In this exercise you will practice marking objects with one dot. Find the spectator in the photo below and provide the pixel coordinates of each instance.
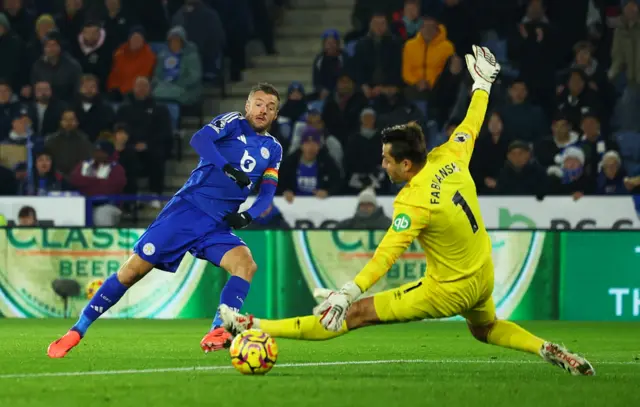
(178, 73)
(58, 68)
(341, 113)
(520, 175)
(328, 64)
(577, 98)
(11, 50)
(362, 13)
(45, 178)
(489, 155)
(94, 114)
(271, 218)
(8, 182)
(93, 53)
(406, 23)
(310, 171)
(520, 117)
(377, 61)
(532, 48)
(334, 147)
(446, 89)
(611, 177)
(462, 24)
(421, 68)
(398, 111)
(8, 109)
(133, 59)
(127, 157)
(21, 132)
(71, 20)
(204, 28)
(27, 217)
(362, 158)
(569, 178)
(296, 105)
(45, 110)
(594, 143)
(548, 150)
(68, 146)
(98, 177)
(21, 18)
(117, 24)
(369, 215)
(150, 132)
(44, 25)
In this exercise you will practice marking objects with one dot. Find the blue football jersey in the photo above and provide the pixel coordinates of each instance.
(209, 189)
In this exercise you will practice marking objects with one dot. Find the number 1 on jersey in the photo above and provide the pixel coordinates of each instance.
(459, 200)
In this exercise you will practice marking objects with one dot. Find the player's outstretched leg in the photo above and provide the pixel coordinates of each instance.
(362, 313)
(239, 263)
(108, 295)
(509, 335)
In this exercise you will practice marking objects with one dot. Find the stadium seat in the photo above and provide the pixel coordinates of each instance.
(316, 105)
(285, 127)
(174, 112)
(156, 47)
(629, 143)
(350, 47)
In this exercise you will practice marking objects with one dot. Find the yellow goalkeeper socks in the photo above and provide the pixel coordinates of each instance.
(509, 335)
(307, 328)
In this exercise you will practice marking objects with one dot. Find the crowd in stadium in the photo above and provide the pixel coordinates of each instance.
(95, 89)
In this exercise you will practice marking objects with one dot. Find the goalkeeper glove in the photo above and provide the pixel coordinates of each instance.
(238, 220)
(483, 68)
(332, 312)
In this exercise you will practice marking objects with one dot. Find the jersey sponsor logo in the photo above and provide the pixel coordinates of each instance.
(461, 137)
(401, 222)
(149, 249)
(265, 153)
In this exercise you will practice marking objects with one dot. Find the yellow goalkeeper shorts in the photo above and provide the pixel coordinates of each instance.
(470, 297)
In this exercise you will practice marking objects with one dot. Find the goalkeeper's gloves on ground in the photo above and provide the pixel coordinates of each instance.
(238, 220)
(332, 311)
(239, 177)
(483, 68)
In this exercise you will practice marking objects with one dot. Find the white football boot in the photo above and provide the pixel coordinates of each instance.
(562, 357)
(234, 322)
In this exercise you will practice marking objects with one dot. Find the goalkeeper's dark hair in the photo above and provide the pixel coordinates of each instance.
(407, 142)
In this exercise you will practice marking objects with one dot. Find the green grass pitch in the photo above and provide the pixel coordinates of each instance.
(159, 363)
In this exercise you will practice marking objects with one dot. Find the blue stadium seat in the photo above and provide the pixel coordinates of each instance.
(350, 47)
(156, 47)
(316, 105)
(174, 112)
(285, 127)
(629, 143)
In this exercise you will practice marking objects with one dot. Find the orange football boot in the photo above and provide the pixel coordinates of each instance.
(217, 339)
(62, 346)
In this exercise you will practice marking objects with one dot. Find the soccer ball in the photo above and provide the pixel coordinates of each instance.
(93, 287)
(253, 352)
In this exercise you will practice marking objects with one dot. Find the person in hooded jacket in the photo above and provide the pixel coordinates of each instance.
(369, 215)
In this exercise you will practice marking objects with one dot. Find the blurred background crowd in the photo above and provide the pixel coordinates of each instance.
(93, 93)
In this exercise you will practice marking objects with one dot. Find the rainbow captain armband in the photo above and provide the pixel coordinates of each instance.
(270, 176)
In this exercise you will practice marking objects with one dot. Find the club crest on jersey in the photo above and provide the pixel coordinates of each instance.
(461, 137)
(401, 222)
(264, 151)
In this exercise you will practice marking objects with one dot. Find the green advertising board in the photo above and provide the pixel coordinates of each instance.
(539, 275)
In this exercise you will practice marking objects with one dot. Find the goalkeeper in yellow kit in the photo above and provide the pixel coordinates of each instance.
(439, 207)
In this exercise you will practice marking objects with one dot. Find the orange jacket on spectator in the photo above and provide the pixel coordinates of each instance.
(128, 65)
(422, 61)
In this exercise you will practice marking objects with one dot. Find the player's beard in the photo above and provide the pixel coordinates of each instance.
(257, 128)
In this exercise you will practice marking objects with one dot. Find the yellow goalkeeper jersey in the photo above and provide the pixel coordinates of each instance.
(440, 208)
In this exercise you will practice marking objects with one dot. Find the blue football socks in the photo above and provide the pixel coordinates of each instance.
(232, 295)
(107, 295)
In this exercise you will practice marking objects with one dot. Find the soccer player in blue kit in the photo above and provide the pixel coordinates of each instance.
(236, 153)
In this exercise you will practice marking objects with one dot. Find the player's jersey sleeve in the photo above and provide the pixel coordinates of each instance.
(464, 136)
(222, 125)
(408, 222)
(270, 175)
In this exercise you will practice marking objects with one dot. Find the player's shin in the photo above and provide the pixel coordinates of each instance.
(233, 295)
(108, 295)
(306, 328)
(509, 335)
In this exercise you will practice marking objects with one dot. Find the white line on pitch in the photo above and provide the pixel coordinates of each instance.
(285, 365)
